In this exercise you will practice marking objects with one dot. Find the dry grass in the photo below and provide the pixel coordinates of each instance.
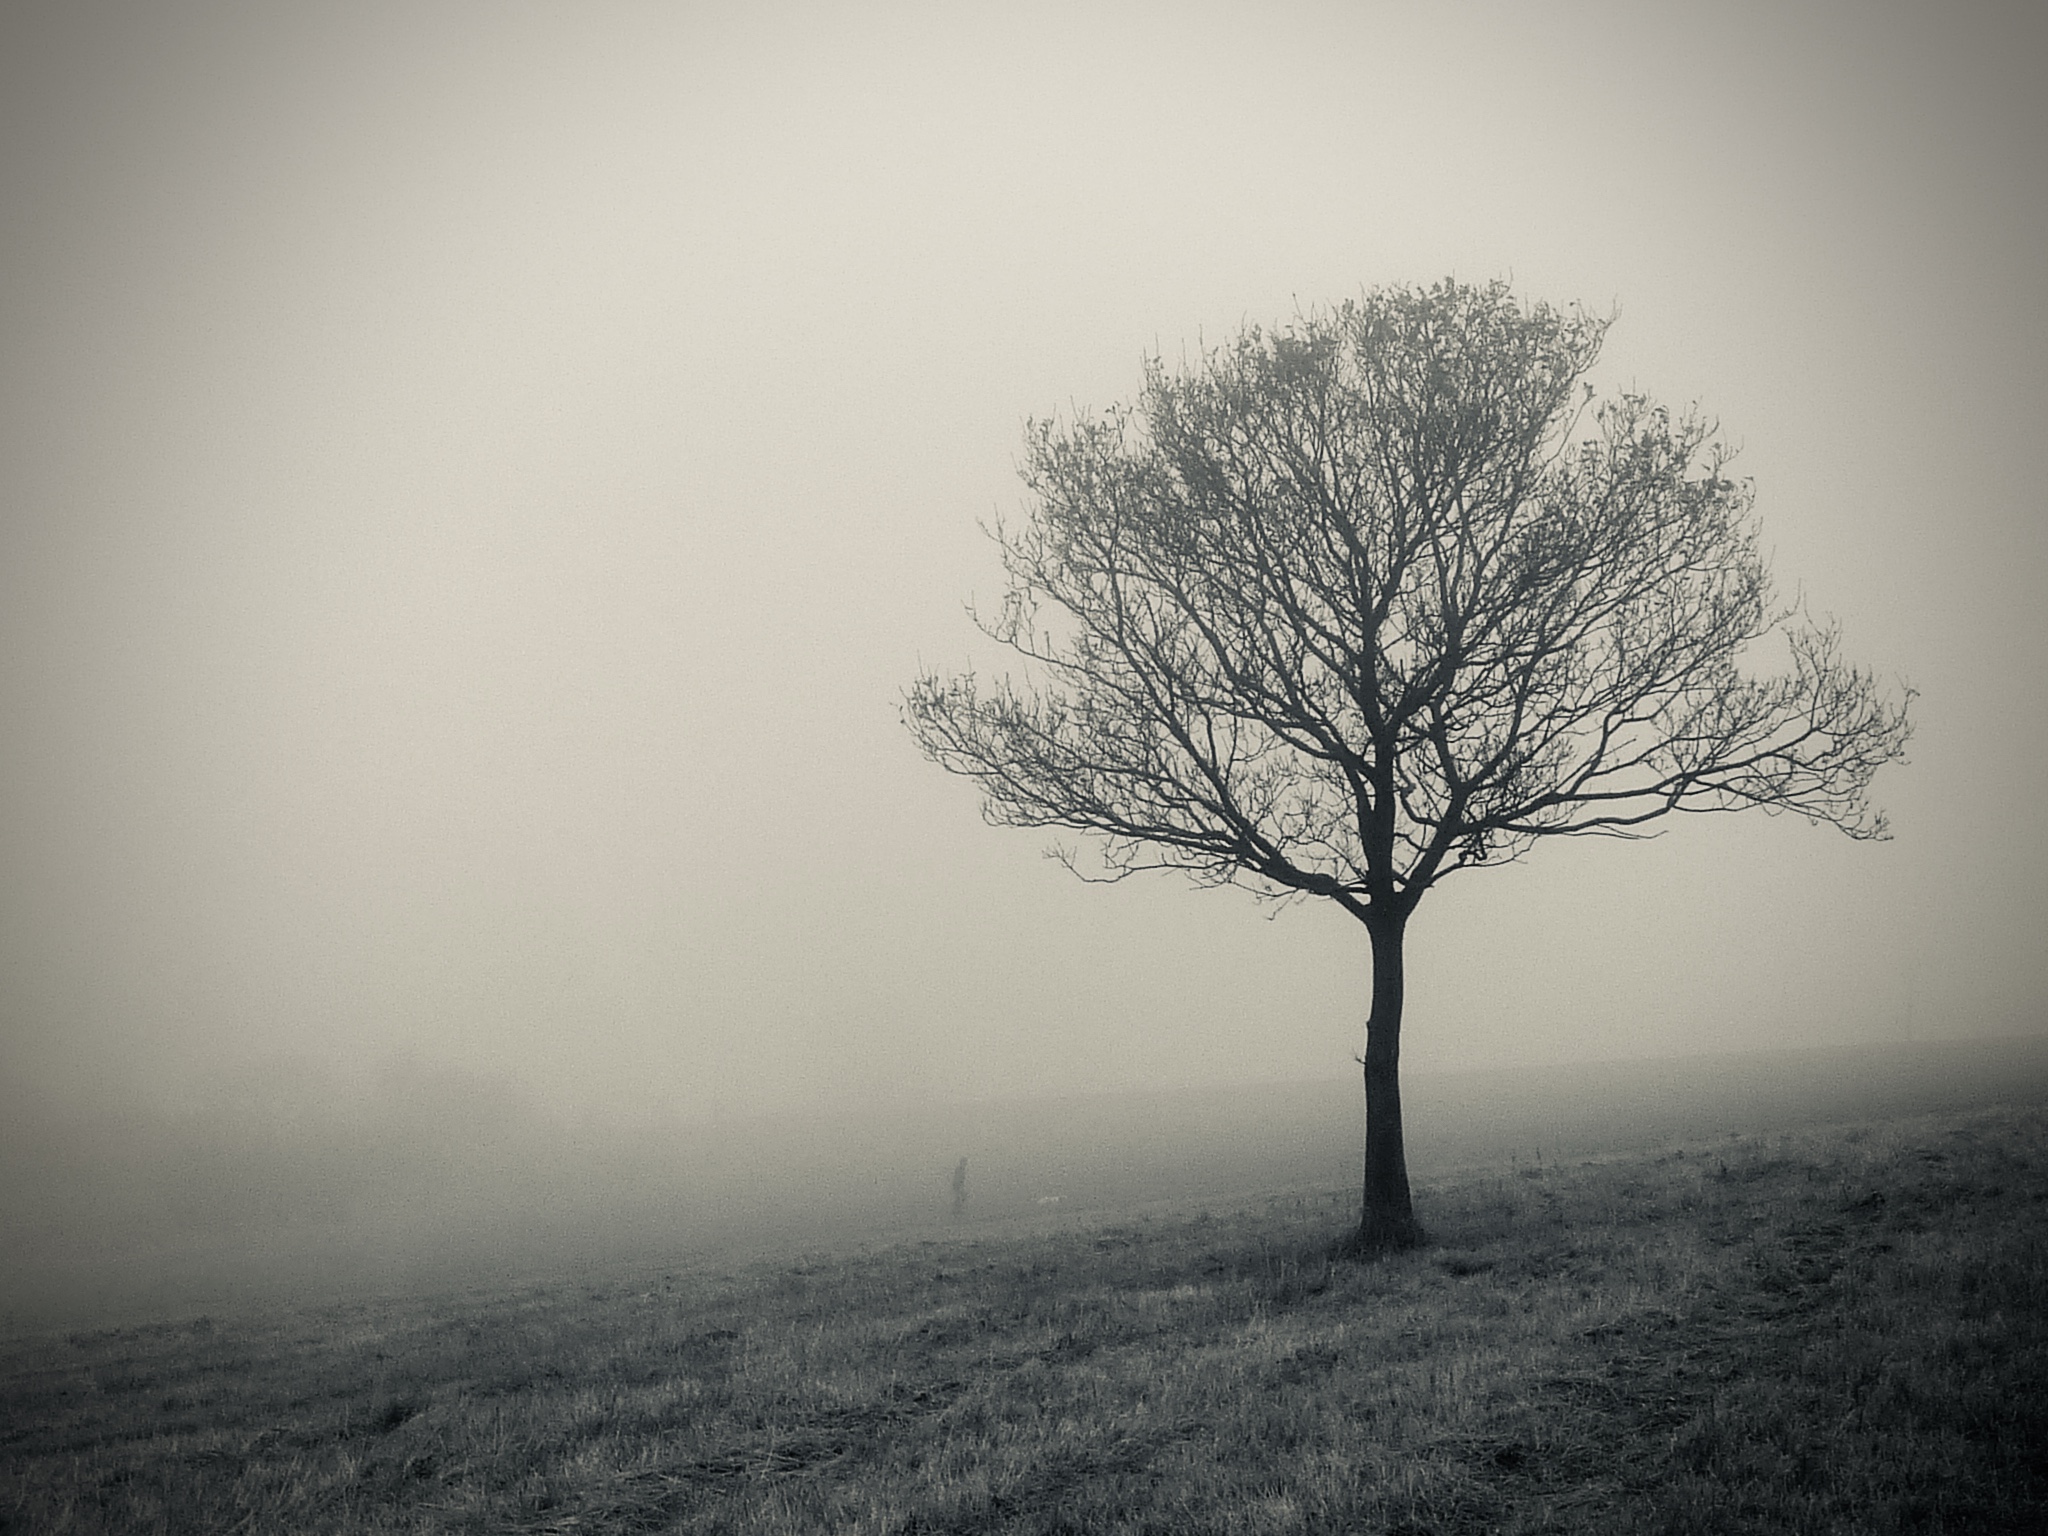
(1845, 1331)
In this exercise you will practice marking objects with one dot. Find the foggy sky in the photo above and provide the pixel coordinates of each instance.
(476, 478)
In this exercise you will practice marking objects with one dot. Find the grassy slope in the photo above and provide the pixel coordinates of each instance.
(1840, 1331)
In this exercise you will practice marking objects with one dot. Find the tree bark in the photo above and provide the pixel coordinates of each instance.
(1387, 1221)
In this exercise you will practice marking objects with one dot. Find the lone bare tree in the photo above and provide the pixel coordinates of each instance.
(1342, 608)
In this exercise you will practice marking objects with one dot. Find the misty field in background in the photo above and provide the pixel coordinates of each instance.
(404, 1183)
(1841, 1331)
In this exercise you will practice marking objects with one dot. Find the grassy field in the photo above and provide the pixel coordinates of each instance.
(1840, 1331)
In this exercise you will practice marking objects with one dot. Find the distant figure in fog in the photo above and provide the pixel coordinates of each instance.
(960, 1190)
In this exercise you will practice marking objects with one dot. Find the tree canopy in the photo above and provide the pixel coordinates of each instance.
(1361, 602)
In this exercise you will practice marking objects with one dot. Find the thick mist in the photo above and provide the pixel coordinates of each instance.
(415, 1181)
(474, 481)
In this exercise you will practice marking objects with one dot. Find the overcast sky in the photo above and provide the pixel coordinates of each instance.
(475, 478)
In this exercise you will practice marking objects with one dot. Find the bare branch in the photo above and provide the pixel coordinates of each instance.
(1349, 606)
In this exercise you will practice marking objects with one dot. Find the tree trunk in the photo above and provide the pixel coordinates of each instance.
(1388, 1219)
